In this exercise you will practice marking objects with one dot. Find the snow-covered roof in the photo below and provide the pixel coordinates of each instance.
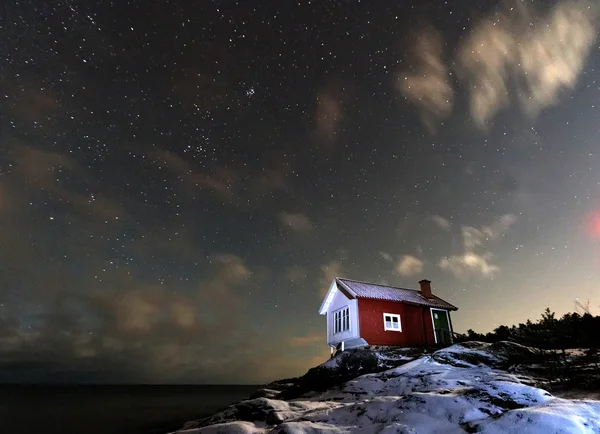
(390, 293)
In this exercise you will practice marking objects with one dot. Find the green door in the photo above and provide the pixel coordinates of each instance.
(441, 327)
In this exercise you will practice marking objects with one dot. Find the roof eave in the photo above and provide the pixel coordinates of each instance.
(449, 307)
(335, 286)
(340, 282)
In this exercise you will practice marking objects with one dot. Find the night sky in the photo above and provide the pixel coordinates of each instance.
(181, 180)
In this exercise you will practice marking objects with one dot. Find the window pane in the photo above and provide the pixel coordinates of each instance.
(395, 319)
(388, 324)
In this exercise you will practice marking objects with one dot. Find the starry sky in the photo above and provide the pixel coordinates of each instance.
(180, 181)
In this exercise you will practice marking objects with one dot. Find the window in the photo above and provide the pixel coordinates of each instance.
(391, 322)
(341, 320)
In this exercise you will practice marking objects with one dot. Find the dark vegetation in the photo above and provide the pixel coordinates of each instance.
(555, 338)
(573, 330)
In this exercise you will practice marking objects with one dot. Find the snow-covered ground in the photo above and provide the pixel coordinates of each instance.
(463, 388)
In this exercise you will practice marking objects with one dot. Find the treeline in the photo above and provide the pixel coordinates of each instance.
(572, 330)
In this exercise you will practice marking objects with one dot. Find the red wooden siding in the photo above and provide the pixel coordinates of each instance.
(426, 314)
(413, 319)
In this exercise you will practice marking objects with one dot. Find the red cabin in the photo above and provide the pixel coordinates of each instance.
(361, 313)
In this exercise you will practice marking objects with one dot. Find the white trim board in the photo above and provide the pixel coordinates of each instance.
(328, 298)
(431, 309)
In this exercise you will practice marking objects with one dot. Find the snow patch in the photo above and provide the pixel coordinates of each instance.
(455, 390)
(558, 415)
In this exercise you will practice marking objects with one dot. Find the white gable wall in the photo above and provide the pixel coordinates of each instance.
(339, 301)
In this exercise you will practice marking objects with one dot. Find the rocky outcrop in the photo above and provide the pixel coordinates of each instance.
(345, 366)
(470, 387)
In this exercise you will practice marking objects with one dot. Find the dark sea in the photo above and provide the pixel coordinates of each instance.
(110, 409)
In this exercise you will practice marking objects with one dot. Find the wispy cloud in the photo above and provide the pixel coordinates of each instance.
(300, 341)
(296, 222)
(329, 113)
(41, 167)
(41, 170)
(471, 262)
(473, 237)
(5, 202)
(32, 103)
(329, 272)
(409, 266)
(386, 256)
(543, 53)
(516, 53)
(225, 182)
(441, 222)
(221, 181)
(295, 273)
(160, 331)
(230, 271)
(427, 84)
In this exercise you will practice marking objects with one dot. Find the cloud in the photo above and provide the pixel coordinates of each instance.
(441, 222)
(158, 332)
(274, 178)
(427, 84)
(409, 266)
(203, 92)
(5, 202)
(185, 314)
(231, 270)
(296, 222)
(473, 237)
(114, 320)
(32, 103)
(386, 256)
(41, 168)
(461, 266)
(301, 341)
(469, 262)
(542, 53)
(177, 239)
(329, 113)
(138, 310)
(225, 182)
(146, 301)
(329, 272)
(295, 273)
(222, 181)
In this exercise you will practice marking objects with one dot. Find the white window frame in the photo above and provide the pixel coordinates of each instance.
(431, 309)
(341, 320)
(392, 316)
